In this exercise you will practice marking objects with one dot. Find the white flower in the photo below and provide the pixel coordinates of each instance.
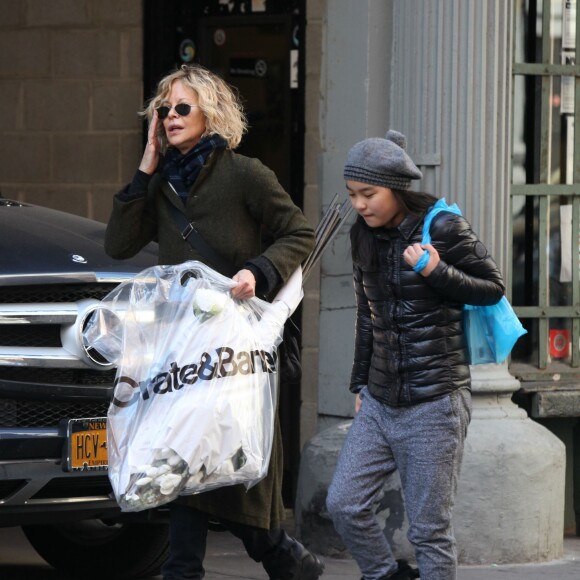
(143, 481)
(164, 453)
(168, 479)
(169, 482)
(210, 301)
(158, 482)
(166, 490)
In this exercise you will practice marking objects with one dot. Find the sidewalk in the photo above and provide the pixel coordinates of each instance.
(227, 560)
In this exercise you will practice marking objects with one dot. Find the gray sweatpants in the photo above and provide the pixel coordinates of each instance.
(425, 443)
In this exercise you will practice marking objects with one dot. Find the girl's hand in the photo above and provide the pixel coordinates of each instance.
(412, 254)
(357, 403)
(246, 287)
(150, 158)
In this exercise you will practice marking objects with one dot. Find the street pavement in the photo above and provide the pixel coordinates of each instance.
(227, 560)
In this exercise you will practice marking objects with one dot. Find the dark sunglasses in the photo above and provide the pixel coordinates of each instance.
(183, 109)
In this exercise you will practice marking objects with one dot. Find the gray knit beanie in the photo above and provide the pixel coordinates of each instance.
(382, 162)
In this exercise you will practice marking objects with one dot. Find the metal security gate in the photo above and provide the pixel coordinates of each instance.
(545, 197)
(546, 186)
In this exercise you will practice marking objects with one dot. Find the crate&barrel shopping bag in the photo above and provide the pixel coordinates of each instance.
(195, 391)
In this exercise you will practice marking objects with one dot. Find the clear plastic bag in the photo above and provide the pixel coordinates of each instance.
(196, 386)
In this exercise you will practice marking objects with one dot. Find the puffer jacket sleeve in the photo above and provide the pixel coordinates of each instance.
(466, 273)
(363, 336)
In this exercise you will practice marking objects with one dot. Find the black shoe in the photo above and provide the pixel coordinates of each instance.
(404, 572)
(308, 567)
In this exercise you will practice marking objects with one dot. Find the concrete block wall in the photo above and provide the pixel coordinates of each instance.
(70, 136)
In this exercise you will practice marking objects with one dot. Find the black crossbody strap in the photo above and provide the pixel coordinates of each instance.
(290, 365)
(192, 236)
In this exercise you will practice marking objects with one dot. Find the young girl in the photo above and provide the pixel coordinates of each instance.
(411, 372)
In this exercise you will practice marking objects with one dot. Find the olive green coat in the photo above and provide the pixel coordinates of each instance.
(233, 198)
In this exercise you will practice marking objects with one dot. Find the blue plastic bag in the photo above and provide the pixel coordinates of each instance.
(491, 331)
(440, 206)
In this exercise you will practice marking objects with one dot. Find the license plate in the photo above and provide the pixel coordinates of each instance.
(87, 444)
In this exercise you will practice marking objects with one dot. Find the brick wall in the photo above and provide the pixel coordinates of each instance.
(70, 89)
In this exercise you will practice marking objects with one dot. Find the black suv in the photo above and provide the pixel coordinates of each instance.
(53, 391)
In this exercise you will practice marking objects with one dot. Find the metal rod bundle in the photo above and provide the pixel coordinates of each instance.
(326, 230)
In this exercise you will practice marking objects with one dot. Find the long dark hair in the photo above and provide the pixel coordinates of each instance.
(362, 238)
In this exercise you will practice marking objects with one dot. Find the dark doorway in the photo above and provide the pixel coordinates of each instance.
(257, 47)
(253, 56)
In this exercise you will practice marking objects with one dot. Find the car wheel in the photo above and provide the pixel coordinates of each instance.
(101, 548)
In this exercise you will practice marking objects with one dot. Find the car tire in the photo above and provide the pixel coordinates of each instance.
(101, 548)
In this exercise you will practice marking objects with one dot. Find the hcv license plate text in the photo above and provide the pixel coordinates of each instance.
(87, 444)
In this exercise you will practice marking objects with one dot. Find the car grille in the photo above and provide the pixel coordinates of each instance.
(54, 293)
(77, 487)
(10, 486)
(40, 414)
(43, 335)
(26, 402)
(21, 335)
(57, 376)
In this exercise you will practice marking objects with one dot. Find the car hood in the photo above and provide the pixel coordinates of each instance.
(40, 245)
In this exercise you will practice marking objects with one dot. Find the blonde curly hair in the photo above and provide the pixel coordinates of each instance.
(219, 102)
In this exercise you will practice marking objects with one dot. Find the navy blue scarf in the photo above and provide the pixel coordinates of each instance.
(182, 170)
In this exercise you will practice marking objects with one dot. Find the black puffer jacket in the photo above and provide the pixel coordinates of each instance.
(410, 345)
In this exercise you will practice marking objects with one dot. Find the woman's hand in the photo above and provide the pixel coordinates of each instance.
(150, 158)
(412, 254)
(246, 287)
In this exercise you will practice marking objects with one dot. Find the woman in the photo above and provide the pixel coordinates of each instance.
(410, 372)
(189, 165)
